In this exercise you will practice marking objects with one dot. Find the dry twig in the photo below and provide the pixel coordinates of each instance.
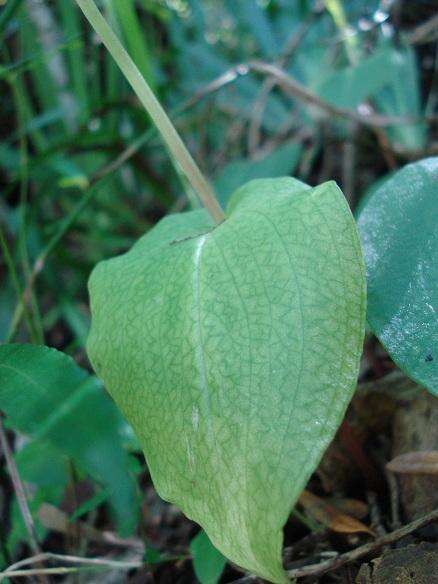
(15, 570)
(299, 91)
(341, 560)
(364, 550)
(20, 493)
(426, 32)
(291, 46)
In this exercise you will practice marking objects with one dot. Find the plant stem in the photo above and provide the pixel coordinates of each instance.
(154, 109)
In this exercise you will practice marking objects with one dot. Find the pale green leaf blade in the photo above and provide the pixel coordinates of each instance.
(398, 226)
(233, 351)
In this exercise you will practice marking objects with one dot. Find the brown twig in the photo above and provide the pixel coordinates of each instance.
(58, 521)
(395, 384)
(426, 32)
(40, 572)
(291, 45)
(299, 91)
(394, 499)
(386, 148)
(19, 491)
(349, 163)
(375, 514)
(364, 550)
(353, 555)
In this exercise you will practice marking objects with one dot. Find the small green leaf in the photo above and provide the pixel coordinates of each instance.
(398, 226)
(152, 556)
(280, 162)
(41, 464)
(233, 350)
(208, 562)
(46, 395)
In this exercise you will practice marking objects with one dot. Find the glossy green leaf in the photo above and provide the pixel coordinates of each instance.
(208, 562)
(47, 396)
(233, 351)
(398, 226)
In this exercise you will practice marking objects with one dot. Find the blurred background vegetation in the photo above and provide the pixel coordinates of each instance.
(352, 97)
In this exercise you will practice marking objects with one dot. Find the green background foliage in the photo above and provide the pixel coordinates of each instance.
(49, 398)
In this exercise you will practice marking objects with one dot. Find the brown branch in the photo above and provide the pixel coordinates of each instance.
(426, 32)
(353, 555)
(56, 520)
(19, 491)
(291, 46)
(364, 550)
(299, 91)
(349, 164)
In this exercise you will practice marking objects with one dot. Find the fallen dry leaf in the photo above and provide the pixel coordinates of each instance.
(425, 462)
(330, 516)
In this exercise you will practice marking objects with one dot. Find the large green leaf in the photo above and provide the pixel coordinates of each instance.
(398, 226)
(46, 395)
(233, 351)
